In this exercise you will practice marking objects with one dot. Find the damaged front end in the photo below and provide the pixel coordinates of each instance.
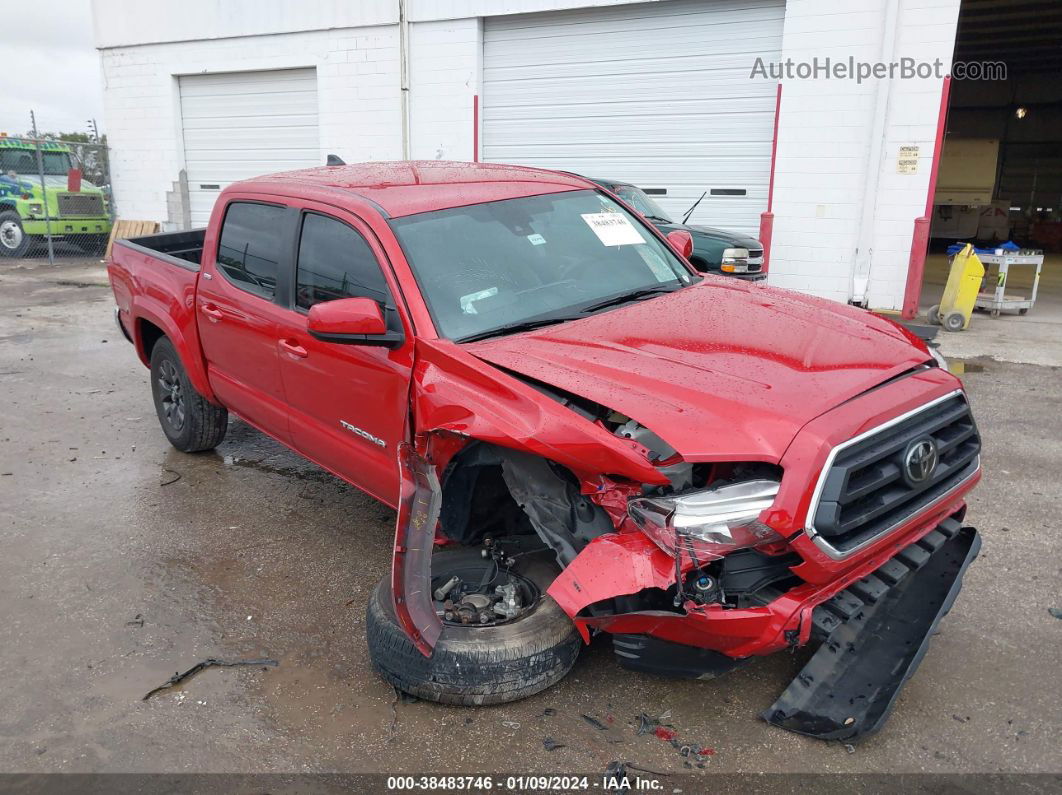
(694, 567)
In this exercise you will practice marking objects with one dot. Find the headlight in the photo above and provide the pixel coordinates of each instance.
(735, 260)
(36, 209)
(942, 363)
(708, 524)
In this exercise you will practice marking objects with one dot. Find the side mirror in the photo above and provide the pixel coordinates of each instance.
(682, 241)
(352, 321)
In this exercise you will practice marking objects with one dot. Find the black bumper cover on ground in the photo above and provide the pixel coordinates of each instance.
(875, 633)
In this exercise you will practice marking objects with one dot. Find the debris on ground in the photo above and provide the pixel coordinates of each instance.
(211, 662)
(615, 776)
(1055, 611)
(692, 754)
(548, 712)
(511, 724)
(552, 745)
(138, 621)
(174, 479)
(594, 722)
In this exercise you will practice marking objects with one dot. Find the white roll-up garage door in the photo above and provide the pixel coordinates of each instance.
(244, 124)
(657, 94)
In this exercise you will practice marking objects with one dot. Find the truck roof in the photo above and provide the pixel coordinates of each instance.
(30, 145)
(406, 187)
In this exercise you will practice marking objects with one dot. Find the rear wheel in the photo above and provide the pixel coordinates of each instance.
(481, 657)
(189, 420)
(14, 242)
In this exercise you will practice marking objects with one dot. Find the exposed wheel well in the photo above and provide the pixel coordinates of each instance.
(495, 491)
(149, 335)
(476, 501)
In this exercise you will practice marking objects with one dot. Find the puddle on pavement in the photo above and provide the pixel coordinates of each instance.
(254, 450)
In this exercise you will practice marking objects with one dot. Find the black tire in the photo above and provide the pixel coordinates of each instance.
(475, 665)
(933, 315)
(954, 321)
(190, 421)
(14, 242)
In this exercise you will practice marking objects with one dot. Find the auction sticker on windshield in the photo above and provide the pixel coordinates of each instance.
(613, 229)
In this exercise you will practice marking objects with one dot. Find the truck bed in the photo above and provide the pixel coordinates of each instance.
(154, 279)
(184, 249)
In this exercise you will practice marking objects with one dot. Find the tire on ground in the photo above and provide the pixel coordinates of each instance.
(204, 424)
(475, 665)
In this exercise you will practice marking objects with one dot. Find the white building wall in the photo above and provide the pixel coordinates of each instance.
(444, 80)
(357, 83)
(844, 217)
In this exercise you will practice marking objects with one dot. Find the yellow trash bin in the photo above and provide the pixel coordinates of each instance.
(960, 293)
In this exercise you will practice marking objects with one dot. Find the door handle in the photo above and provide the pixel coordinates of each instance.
(212, 312)
(293, 349)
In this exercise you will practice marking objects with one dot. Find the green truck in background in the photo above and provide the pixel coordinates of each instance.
(29, 210)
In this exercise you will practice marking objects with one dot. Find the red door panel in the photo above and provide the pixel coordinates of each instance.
(347, 404)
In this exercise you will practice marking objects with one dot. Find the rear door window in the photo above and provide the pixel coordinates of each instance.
(250, 245)
(335, 262)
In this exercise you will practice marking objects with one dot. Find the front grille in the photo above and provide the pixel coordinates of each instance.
(80, 205)
(755, 260)
(866, 492)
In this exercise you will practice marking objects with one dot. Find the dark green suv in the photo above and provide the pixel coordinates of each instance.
(714, 250)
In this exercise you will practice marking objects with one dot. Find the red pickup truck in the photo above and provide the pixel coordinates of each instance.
(579, 432)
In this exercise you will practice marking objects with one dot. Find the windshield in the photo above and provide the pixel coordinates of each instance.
(640, 201)
(24, 162)
(498, 264)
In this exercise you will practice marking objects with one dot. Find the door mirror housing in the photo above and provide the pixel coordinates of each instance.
(352, 321)
(681, 241)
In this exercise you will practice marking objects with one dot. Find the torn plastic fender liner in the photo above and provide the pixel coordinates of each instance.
(420, 500)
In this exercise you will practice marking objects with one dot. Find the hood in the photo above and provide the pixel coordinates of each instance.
(728, 238)
(722, 370)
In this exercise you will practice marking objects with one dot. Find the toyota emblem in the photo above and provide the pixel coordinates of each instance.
(920, 461)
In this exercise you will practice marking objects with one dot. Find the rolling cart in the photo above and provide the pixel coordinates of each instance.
(997, 300)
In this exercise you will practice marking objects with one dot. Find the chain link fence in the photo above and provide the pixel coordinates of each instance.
(55, 198)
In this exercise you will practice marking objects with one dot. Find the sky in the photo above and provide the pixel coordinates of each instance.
(50, 66)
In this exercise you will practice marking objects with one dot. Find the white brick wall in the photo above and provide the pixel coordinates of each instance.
(824, 177)
(359, 107)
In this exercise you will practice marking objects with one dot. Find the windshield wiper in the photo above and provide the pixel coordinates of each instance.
(632, 296)
(660, 218)
(689, 212)
(526, 325)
